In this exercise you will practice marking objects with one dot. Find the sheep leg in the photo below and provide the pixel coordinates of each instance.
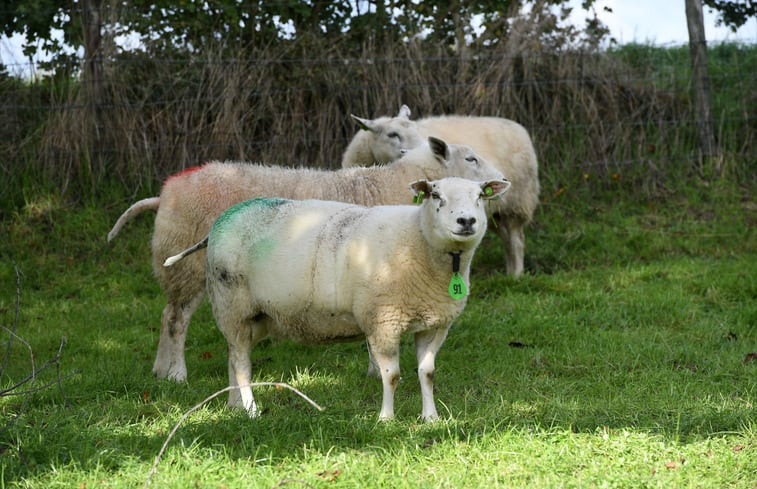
(389, 367)
(163, 357)
(169, 361)
(373, 370)
(510, 231)
(240, 368)
(427, 344)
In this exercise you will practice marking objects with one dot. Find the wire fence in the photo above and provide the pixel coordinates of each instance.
(598, 112)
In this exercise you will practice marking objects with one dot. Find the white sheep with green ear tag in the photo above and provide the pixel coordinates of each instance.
(318, 271)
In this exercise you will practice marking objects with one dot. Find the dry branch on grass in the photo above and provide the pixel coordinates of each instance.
(26, 386)
(194, 408)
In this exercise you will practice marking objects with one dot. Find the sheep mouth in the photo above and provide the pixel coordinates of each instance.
(464, 232)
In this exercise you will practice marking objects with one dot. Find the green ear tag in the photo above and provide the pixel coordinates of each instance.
(488, 191)
(418, 198)
(457, 288)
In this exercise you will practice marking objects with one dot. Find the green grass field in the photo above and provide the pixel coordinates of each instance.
(622, 359)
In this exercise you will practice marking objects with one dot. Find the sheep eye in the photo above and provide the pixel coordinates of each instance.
(393, 135)
(472, 159)
(435, 195)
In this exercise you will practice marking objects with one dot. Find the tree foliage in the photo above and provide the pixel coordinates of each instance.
(171, 26)
(733, 13)
(175, 26)
(39, 20)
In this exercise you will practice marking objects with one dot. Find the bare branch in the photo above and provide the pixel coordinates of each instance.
(15, 321)
(29, 380)
(154, 468)
(57, 381)
(35, 372)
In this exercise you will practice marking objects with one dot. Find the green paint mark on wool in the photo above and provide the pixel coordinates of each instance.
(261, 205)
(263, 248)
(250, 222)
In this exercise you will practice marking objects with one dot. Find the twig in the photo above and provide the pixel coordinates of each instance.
(15, 321)
(57, 381)
(158, 457)
(28, 347)
(31, 377)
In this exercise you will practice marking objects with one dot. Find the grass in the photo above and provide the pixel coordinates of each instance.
(619, 360)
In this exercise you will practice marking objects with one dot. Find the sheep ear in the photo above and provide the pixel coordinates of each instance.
(421, 190)
(366, 124)
(404, 112)
(439, 148)
(494, 188)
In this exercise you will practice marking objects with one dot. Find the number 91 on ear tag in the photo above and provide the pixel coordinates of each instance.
(457, 288)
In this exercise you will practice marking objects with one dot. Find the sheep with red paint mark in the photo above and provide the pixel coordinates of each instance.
(317, 272)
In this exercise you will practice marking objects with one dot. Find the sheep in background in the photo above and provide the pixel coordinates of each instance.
(317, 272)
(502, 142)
(191, 200)
(385, 140)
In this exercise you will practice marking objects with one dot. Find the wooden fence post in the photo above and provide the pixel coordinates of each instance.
(92, 71)
(701, 83)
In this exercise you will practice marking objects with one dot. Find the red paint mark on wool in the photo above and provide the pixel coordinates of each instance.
(184, 173)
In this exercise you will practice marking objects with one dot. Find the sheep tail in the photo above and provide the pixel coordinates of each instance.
(173, 259)
(136, 208)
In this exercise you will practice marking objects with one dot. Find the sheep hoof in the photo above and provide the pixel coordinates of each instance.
(430, 417)
(178, 375)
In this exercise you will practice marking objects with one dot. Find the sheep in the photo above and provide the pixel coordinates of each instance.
(318, 272)
(190, 201)
(384, 140)
(504, 143)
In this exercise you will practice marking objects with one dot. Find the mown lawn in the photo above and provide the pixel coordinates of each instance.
(624, 358)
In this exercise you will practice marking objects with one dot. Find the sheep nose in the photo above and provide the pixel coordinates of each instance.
(466, 223)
